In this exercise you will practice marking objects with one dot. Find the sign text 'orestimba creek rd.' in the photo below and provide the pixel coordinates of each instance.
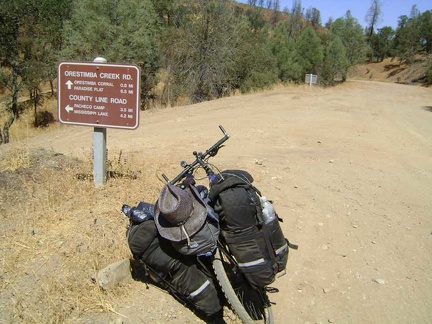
(99, 94)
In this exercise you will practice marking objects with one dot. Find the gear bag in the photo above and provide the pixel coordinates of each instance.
(176, 273)
(260, 249)
(203, 243)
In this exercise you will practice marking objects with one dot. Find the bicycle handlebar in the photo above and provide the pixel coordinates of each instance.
(199, 161)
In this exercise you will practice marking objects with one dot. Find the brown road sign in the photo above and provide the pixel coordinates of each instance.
(99, 94)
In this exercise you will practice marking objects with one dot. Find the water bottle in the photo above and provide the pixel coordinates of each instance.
(268, 211)
(138, 214)
(274, 232)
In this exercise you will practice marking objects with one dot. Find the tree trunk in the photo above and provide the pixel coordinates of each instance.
(166, 95)
(6, 127)
(15, 109)
(36, 121)
(35, 99)
(52, 87)
(344, 76)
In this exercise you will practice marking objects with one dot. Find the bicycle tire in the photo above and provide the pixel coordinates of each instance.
(255, 309)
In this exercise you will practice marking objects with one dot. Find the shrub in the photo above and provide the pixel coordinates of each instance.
(44, 118)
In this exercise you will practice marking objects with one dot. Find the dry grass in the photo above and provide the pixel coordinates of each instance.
(57, 231)
(22, 128)
(18, 159)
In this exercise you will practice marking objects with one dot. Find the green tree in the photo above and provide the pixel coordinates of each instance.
(314, 16)
(171, 12)
(310, 51)
(41, 39)
(425, 22)
(14, 18)
(295, 20)
(118, 30)
(255, 17)
(284, 50)
(274, 5)
(407, 38)
(329, 23)
(255, 66)
(335, 62)
(205, 50)
(175, 16)
(48, 39)
(382, 43)
(351, 34)
(373, 16)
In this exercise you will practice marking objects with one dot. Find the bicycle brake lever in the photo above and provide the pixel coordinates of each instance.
(215, 151)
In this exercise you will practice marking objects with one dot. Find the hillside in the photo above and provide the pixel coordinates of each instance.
(390, 70)
(348, 168)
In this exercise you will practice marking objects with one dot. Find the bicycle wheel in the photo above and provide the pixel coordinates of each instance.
(250, 305)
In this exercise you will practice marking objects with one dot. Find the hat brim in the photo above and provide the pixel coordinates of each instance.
(193, 224)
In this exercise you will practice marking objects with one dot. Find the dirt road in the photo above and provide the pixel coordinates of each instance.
(350, 171)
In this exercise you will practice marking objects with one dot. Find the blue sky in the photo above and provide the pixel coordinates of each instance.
(391, 9)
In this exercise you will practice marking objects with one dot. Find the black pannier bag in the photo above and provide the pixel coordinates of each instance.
(250, 251)
(166, 266)
(260, 249)
(202, 243)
